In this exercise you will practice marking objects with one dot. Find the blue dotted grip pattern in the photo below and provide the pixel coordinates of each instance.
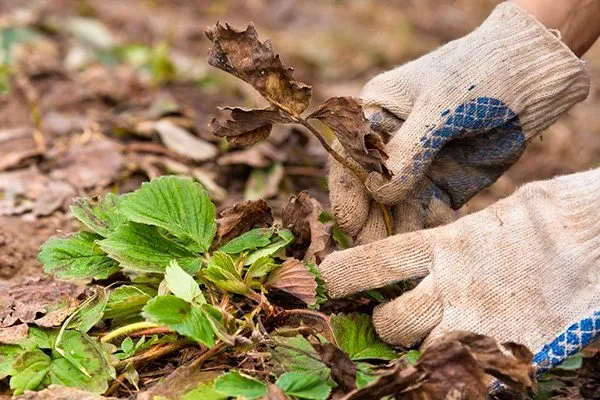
(576, 337)
(475, 144)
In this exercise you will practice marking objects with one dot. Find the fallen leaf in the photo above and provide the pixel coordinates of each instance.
(261, 155)
(183, 142)
(56, 392)
(455, 366)
(25, 302)
(294, 278)
(274, 393)
(343, 370)
(13, 334)
(87, 165)
(241, 54)
(242, 217)
(264, 183)
(344, 115)
(247, 126)
(301, 216)
(179, 382)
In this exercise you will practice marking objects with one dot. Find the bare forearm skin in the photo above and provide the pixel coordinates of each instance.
(577, 20)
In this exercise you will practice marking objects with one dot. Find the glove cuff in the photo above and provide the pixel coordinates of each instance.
(546, 77)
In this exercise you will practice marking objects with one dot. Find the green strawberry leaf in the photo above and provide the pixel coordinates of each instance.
(35, 369)
(304, 385)
(283, 239)
(356, 336)
(260, 268)
(142, 248)
(235, 384)
(222, 272)
(76, 256)
(411, 357)
(127, 301)
(296, 354)
(29, 370)
(178, 205)
(103, 217)
(204, 391)
(90, 312)
(8, 355)
(182, 317)
(182, 285)
(321, 288)
(250, 240)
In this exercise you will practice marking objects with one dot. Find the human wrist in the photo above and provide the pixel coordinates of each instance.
(574, 19)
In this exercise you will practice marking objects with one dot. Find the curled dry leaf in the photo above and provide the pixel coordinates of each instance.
(242, 217)
(179, 382)
(344, 115)
(294, 278)
(455, 366)
(301, 216)
(247, 126)
(241, 54)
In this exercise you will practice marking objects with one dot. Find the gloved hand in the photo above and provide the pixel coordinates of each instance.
(526, 269)
(468, 110)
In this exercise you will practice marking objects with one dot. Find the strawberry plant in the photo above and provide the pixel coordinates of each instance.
(164, 281)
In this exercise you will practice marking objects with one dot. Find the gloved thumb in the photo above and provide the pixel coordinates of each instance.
(377, 264)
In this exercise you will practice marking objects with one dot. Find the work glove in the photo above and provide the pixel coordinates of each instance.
(526, 269)
(458, 118)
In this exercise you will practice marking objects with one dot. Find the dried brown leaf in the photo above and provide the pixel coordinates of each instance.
(56, 392)
(455, 366)
(97, 162)
(13, 334)
(241, 54)
(301, 216)
(242, 217)
(274, 393)
(29, 301)
(183, 142)
(293, 277)
(179, 382)
(260, 156)
(343, 370)
(247, 126)
(344, 115)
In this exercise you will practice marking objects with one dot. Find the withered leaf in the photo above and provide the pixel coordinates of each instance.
(274, 393)
(242, 217)
(454, 366)
(247, 126)
(31, 300)
(294, 278)
(343, 370)
(13, 334)
(344, 115)
(301, 216)
(241, 54)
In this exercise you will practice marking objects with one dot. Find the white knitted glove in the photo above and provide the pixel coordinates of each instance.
(468, 110)
(526, 269)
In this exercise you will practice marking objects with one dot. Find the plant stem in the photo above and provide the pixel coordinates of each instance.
(126, 329)
(155, 352)
(360, 174)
